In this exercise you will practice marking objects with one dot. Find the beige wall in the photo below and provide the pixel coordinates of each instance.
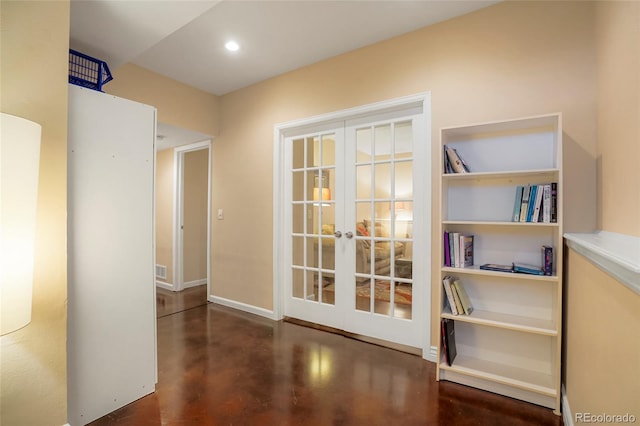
(164, 211)
(602, 359)
(602, 316)
(618, 51)
(196, 175)
(497, 63)
(178, 104)
(35, 43)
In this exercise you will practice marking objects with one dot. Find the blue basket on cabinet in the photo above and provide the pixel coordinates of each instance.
(88, 72)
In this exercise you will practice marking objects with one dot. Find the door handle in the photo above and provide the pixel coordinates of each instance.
(338, 234)
(349, 235)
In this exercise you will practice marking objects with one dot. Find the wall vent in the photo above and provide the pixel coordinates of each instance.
(161, 272)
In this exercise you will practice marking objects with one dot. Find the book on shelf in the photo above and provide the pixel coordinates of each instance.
(532, 202)
(496, 267)
(465, 301)
(538, 204)
(456, 249)
(451, 250)
(446, 283)
(454, 160)
(554, 202)
(456, 298)
(547, 260)
(447, 253)
(464, 163)
(546, 204)
(446, 166)
(517, 203)
(448, 331)
(525, 268)
(466, 250)
(524, 206)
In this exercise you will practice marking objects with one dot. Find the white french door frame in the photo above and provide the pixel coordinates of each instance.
(422, 198)
(178, 213)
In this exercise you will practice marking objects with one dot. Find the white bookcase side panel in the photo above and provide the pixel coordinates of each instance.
(526, 150)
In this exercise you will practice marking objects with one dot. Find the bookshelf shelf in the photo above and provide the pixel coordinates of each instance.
(499, 223)
(512, 175)
(475, 270)
(511, 342)
(506, 321)
(521, 378)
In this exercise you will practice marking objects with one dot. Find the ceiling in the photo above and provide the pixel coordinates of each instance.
(184, 40)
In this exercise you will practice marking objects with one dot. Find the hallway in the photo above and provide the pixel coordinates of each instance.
(219, 366)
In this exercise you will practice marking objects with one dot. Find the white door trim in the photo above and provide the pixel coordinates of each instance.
(282, 130)
(178, 210)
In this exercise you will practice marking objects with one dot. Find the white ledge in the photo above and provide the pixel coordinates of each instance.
(616, 254)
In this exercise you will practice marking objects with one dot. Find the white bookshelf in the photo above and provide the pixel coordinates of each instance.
(511, 343)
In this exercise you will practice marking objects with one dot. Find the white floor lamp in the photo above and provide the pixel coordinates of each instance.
(19, 167)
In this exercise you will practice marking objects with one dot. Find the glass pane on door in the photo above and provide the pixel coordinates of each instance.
(313, 218)
(384, 216)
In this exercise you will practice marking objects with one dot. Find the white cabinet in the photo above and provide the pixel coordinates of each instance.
(111, 346)
(511, 342)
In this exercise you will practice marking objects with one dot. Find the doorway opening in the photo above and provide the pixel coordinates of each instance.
(183, 218)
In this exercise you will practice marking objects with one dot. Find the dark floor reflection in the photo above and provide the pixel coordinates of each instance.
(169, 302)
(221, 366)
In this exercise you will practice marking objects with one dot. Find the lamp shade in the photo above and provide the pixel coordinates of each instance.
(326, 194)
(19, 166)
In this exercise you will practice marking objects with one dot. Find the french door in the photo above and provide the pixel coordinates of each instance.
(356, 227)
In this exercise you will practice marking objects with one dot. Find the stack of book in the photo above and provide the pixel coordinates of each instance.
(457, 297)
(536, 203)
(524, 268)
(458, 249)
(453, 162)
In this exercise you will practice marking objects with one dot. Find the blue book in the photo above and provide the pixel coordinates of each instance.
(517, 203)
(524, 268)
(532, 202)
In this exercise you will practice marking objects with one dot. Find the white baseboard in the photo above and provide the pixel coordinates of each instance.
(243, 307)
(431, 355)
(165, 286)
(567, 417)
(194, 283)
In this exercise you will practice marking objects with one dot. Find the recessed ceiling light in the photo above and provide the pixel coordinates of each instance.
(232, 46)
